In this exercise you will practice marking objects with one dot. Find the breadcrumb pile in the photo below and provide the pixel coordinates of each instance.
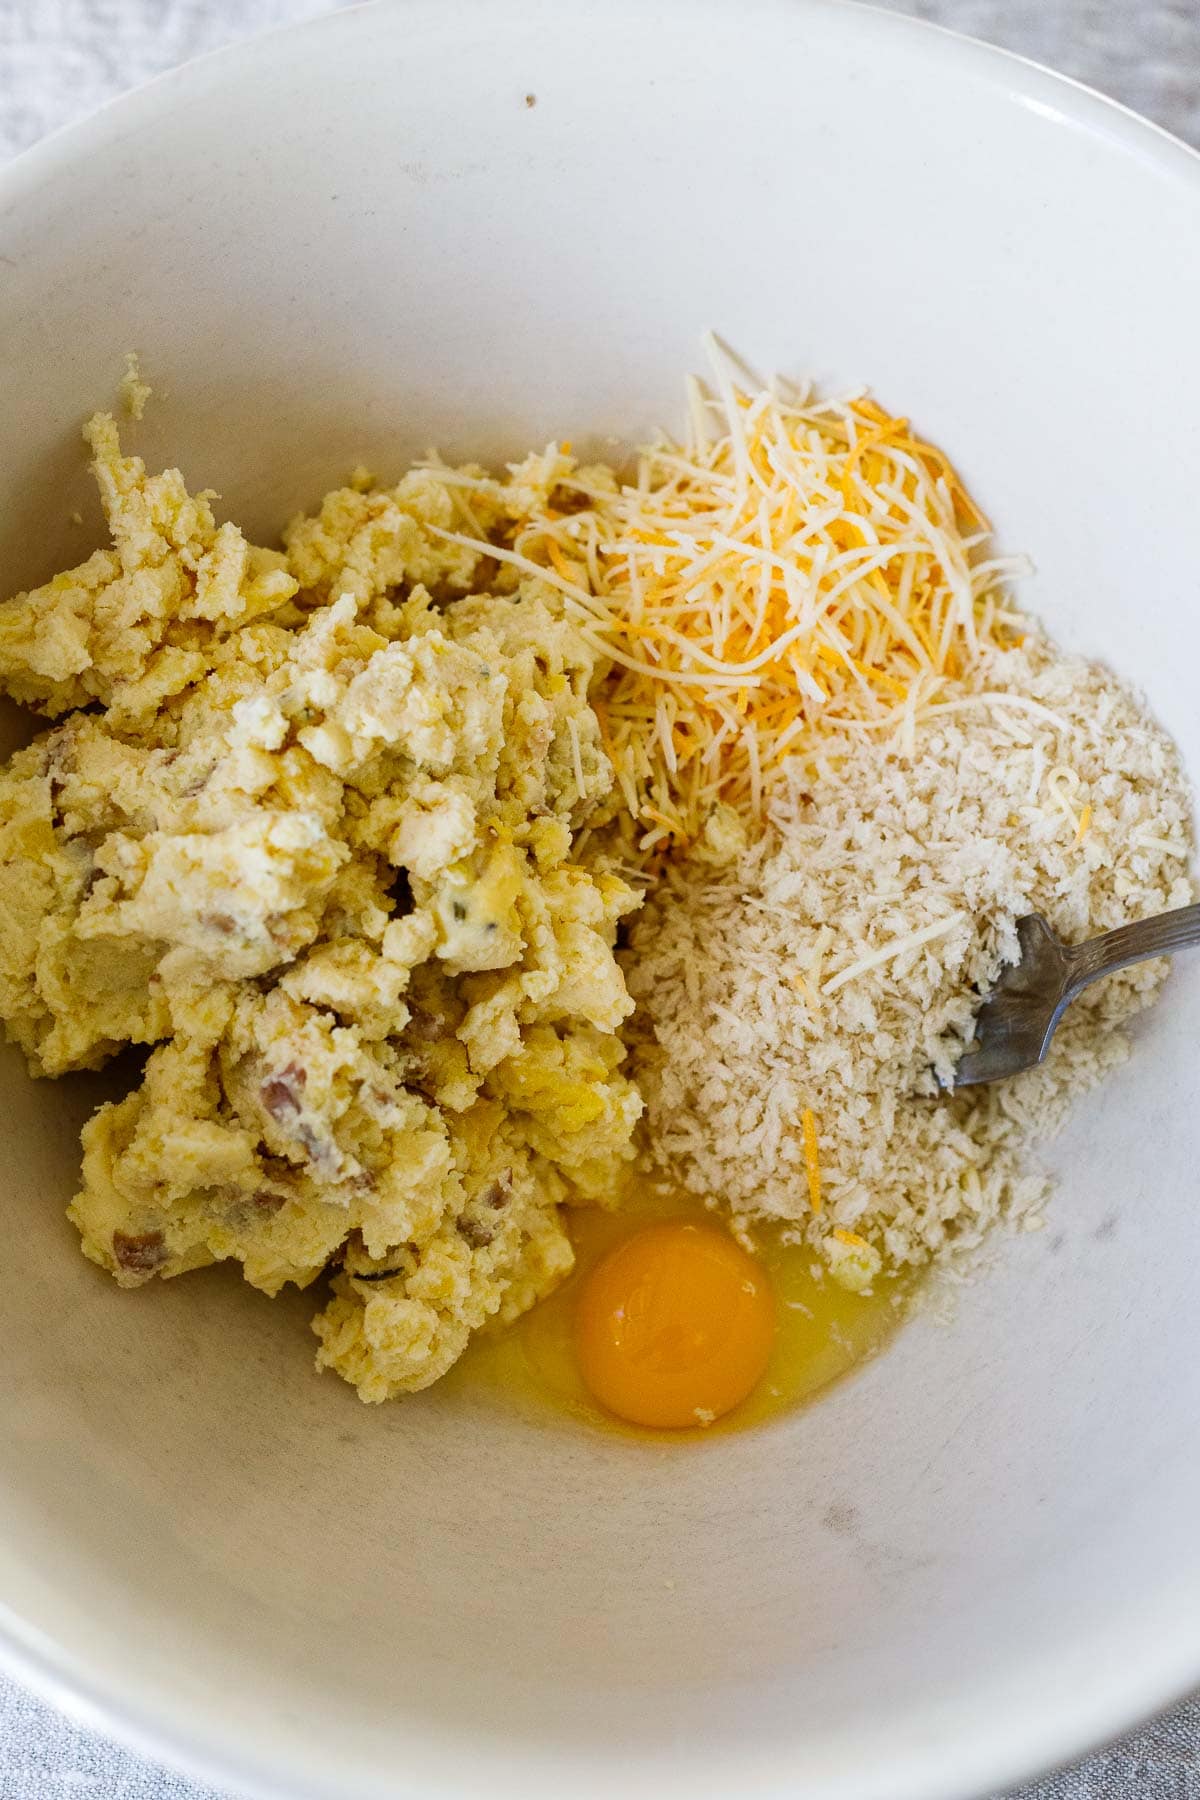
(807, 991)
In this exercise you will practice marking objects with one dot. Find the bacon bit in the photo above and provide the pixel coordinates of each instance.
(850, 1237)
(141, 1253)
(497, 1195)
(281, 1092)
(267, 1201)
(1084, 825)
(812, 1162)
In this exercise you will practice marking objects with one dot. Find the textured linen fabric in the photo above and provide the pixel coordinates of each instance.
(61, 58)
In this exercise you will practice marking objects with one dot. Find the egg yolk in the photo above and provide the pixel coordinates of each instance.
(675, 1326)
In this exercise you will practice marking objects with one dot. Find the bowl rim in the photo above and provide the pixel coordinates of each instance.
(982, 1758)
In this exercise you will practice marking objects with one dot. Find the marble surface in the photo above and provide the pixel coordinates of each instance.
(61, 58)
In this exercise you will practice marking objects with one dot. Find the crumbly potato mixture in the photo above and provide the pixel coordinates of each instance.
(305, 827)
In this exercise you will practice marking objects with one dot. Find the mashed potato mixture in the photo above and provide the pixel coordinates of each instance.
(314, 846)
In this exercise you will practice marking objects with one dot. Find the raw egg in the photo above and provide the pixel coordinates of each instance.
(821, 1332)
(675, 1326)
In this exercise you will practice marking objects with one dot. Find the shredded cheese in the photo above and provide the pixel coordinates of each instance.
(912, 940)
(812, 1161)
(795, 564)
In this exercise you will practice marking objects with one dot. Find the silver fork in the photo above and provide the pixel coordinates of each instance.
(1014, 1025)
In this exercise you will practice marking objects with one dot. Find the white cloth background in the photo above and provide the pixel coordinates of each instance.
(61, 58)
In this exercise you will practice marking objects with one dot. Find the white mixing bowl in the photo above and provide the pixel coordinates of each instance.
(481, 223)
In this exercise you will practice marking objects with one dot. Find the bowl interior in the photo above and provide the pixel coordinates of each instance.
(481, 226)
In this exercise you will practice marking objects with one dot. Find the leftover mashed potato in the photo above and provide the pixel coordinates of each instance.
(312, 844)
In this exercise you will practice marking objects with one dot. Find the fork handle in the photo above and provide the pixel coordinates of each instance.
(1158, 936)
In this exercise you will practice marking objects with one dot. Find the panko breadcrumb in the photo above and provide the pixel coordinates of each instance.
(829, 972)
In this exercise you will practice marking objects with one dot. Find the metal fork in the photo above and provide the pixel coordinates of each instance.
(1014, 1025)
